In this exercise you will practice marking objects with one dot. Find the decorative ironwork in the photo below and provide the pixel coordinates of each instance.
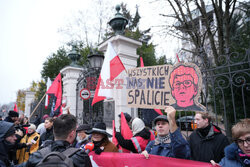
(226, 86)
(86, 113)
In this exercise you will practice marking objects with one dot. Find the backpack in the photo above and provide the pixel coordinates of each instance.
(57, 159)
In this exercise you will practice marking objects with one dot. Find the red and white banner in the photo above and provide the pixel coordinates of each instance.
(111, 68)
(106, 159)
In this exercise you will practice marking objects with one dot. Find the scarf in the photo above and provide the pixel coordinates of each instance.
(204, 132)
(244, 157)
(162, 139)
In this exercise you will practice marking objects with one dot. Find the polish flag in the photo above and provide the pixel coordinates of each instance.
(142, 65)
(111, 68)
(48, 84)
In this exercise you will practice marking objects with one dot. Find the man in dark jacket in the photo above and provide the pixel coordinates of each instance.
(207, 142)
(12, 116)
(64, 133)
(7, 141)
(169, 141)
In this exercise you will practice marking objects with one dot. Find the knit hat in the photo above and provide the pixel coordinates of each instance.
(13, 113)
(137, 125)
(32, 126)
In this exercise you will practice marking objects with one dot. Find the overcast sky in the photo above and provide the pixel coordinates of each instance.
(29, 34)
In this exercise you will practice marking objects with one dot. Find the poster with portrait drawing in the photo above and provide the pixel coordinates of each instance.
(160, 86)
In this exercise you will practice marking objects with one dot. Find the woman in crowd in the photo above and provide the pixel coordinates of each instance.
(238, 153)
(100, 139)
(140, 139)
(48, 135)
(32, 141)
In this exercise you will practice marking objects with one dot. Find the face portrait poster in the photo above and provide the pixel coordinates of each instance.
(166, 85)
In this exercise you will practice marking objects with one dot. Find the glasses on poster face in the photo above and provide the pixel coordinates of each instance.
(242, 142)
(186, 83)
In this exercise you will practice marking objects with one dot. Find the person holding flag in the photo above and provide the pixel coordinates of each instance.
(140, 139)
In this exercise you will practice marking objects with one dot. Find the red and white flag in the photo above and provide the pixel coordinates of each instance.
(111, 68)
(48, 84)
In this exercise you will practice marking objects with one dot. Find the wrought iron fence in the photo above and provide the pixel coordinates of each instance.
(226, 87)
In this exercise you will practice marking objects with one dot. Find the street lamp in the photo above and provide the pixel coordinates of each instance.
(95, 60)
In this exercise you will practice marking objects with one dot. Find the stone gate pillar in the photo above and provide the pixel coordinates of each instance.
(70, 75)
(29, 98)
(126, 49)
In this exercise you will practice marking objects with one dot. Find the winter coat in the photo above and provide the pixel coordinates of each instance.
(232, 158)
(5, 146)
(23, 154)
(176, 147)
(80, 158)
(108, 146)
(143, 137)
(48, 135)
(82, 143)
(210, 147)
(8, 119)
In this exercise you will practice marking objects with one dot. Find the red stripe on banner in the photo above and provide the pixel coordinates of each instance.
(116, 67)
(138, 160)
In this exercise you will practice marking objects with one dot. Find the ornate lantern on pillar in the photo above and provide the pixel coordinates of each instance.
(118, 23)
(74, 56)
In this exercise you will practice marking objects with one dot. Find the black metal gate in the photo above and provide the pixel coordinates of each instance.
(86, 113)
(226, 87)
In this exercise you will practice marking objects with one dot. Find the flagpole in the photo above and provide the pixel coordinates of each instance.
(37, 106)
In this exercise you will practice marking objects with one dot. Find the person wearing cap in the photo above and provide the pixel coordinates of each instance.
(12, 116)
(100, 139)
(32, 141)
(7, 141)
(169, 141)
(82, 135)
(140, 139)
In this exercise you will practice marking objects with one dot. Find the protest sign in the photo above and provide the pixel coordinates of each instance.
(161, 86)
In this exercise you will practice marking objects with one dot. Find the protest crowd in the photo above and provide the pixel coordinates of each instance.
(24, 144)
